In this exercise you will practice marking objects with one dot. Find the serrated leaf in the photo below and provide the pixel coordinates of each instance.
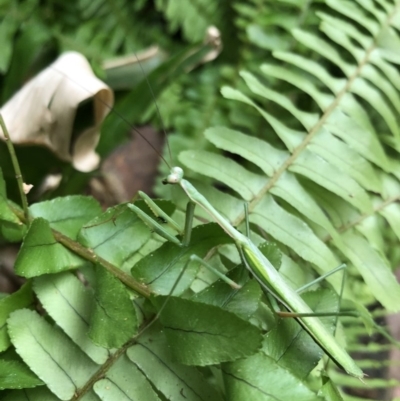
(260, 378)
(272, 252)
(67, 214)
(22, 298)
(115, 235)
(200, 334)
(291, 346)
(114, 319)
(49, 353)
(12, 232)
(175, 381)
(160, 269)
(125, 382)
(232, 174)
(70, 305)
(374, 270)
(15, 375)
(41, 254)
(243, 302)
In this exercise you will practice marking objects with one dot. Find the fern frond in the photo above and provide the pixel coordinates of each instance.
(331, 143)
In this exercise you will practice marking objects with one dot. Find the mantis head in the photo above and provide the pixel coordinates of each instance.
(174, 177)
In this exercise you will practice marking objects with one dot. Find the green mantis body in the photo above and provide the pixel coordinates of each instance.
(268, 276)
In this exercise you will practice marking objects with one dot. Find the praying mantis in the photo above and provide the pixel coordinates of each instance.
(262, 270)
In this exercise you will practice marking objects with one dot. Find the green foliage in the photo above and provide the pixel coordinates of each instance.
(311, 147)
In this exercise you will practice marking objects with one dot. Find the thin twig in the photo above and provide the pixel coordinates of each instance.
(17, 169)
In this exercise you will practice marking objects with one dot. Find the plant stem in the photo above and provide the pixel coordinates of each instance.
(17, 169)
(89, 255)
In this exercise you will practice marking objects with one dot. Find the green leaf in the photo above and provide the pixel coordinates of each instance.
(11, 227)
(160, 269)
(272, 252)
(114, 319)
(365, 142)
(23, 298)
(343, 157)
(243, 302)
(125, 382)
(8, 29)
(260, 378)
(49, 353)
(366, 91)
(377, 78)
(201, 334)
(115, 235)
(41, 254)
(308, 120)
(67, 214)
(190, 18)
(356, 14)
(228, 205)
(291, 346)
(71, 305)
(374, 270)
(256, 150)
(232, 174)
(371, 229)
(300, 81)
(14, 375)
(294, 273)
(290, 190)
(313, 67)
(176, 382)
(35, 394)
(323, 173)
(290, 137)
(324, 48)
(330, 391)
(392, 214)
(294, 233)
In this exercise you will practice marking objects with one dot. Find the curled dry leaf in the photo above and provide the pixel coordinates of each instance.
(43, 111)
